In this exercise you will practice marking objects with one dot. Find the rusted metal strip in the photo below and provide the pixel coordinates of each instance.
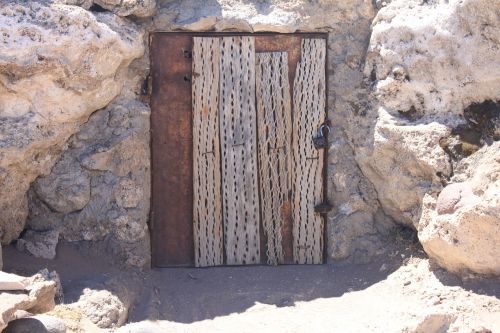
(171, 148)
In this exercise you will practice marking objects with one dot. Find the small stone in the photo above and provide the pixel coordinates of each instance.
(407, 283)
(383, 268)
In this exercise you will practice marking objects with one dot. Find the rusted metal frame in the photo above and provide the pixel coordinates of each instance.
(171, 215)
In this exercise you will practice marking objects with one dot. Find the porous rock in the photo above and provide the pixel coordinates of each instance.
(58, 64)
(102, 307)
(40, 244)
(38, 298)
(139, 8)
(461, 228)
(112, 151)
(424, 71)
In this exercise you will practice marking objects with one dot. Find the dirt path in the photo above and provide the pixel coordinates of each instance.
(396, 293)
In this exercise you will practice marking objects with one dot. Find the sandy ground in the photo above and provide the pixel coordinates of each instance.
(400, 292)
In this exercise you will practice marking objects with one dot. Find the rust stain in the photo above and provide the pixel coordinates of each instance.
(171, 148)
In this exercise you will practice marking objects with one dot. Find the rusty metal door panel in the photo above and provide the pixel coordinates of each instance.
(171, 148)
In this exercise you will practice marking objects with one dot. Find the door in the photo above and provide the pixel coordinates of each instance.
(236, 176)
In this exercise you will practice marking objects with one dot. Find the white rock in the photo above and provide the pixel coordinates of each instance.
(461, 229)
(63, 63)
(102, 307)
(39, 299)
(10, 281)
(422, 62)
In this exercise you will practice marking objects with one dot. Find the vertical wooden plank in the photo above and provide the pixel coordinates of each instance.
(238, 150)
(207, 201)
(171, 148)
(309, 111)
(274, 136)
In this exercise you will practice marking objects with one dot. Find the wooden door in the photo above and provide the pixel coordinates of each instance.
(236, 176)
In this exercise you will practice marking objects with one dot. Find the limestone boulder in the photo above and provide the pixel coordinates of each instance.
(64, 193)
(37, 297)
(139, 8)
(58, 64)
(428, 87)
(102, 307)
(461, 228)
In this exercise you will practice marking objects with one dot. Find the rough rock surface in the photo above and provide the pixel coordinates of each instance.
(111, 151)
(39, 244)
(461, 229)
(102, 307)
(39, 298)
(58, 64)
(423, 66)
(139, 8)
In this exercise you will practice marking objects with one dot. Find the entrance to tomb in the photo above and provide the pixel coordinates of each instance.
(238, 124)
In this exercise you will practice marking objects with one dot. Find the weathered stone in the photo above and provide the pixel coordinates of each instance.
(102, 307)
(139, 8)
(117, 164)
(40, 244)
(128, 194)
(39, 299)
(38, 324)
(454, 197)
(86, 4)
(77, 68)
(461, 229)
(11, 282)
(412, 135)
(203, 24)
(64, 192)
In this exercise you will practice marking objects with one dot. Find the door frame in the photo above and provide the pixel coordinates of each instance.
(187, 259)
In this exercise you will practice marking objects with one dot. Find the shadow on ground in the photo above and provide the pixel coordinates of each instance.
(187, 295)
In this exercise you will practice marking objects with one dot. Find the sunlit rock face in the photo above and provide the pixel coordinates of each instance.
(58, 64)
(434, 69)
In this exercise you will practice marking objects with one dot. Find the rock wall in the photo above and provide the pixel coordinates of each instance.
(413, 109)
(434, 68)
(58, 64)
